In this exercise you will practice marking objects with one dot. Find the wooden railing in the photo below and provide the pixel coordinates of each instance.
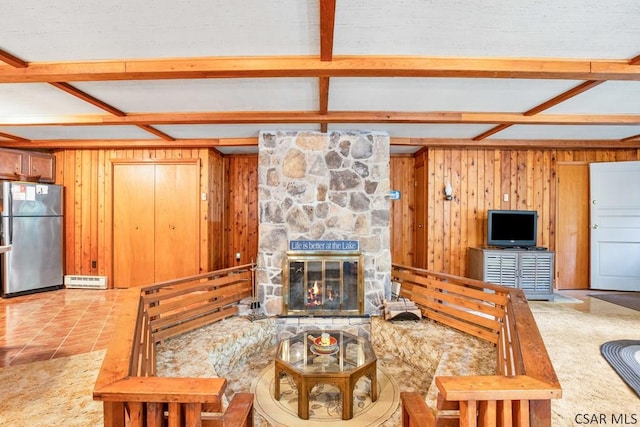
(525, 382)
(132, 394)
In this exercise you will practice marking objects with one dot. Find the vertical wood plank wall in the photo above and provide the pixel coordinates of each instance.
(216, 230)
(479, 177)
(86, 176)
(241, 218)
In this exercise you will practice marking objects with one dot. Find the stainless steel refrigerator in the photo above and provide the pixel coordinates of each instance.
(32, 227)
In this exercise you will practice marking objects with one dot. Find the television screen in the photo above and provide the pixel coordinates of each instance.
(511, 228)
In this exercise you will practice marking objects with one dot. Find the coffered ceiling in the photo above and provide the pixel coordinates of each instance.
(193, 73)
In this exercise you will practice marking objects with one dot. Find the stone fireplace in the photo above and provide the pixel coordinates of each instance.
(328, 188)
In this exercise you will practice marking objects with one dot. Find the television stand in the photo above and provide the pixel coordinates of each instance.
(529, 269)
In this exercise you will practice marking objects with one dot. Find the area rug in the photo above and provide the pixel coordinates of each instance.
(625, 299)
(52, 392)
(325, 403)
(624, 357)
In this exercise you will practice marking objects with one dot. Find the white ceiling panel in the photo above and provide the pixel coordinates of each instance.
(90, 29)
(207, 94)
(501, 28)
(532, 44)
(244, 149)
(32, 99)
(417, 131)
(78, 132)
(229, 131)
(573, 132)
(442, 94)
(614, 97)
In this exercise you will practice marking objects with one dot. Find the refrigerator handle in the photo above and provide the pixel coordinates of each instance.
(10, 211)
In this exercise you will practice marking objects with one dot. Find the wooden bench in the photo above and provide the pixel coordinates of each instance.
(132, 394)
(520, 392)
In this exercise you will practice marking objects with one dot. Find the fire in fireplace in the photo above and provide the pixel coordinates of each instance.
(323, 283)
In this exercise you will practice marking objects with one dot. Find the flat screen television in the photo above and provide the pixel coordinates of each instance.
(512, 228)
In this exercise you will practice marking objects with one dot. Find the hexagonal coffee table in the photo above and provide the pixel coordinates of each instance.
(342, 365)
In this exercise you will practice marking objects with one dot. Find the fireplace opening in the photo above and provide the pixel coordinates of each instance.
(323, 283)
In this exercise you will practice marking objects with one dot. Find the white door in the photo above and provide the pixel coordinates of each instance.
(615, 226)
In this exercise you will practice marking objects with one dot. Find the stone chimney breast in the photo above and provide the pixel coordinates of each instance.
(323, 187)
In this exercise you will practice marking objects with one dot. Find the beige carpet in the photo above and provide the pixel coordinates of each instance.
(55, 392)
(325, 403)
(589, 384)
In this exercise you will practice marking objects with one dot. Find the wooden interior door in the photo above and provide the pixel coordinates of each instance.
(133, 224)
(176, 220)
(572, 231)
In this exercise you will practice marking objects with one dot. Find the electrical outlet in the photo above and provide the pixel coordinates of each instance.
(505, 197)
(94, 264)
(237, 256)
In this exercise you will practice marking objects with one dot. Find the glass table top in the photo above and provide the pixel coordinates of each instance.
(306, 353)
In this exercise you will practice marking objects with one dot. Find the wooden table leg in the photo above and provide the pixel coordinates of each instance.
(347, 400)
(276, 385)
(374, 383)
(303, 399)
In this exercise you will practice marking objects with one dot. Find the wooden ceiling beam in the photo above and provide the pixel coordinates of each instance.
(11, 137)
(66, 87)
(233, 142)
(302, 66)
(582, 87)
(635, 60)
(324, 94)
(156, 132)
(14, 61)
(556, 144)
(491, 131)
(304, 117)
(327, 24)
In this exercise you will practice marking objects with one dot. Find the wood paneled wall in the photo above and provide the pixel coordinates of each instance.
(480, 178)
(241, 218)
(216, 230)
(86, 176)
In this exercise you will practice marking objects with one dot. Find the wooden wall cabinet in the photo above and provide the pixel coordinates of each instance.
(41, 164)
(30, 163)
(529, 270)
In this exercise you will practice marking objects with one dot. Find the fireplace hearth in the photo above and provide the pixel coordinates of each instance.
(323, 283)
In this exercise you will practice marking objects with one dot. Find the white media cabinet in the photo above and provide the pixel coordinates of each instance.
(531, 270)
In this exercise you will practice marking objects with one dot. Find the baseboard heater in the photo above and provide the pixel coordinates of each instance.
(85, 282)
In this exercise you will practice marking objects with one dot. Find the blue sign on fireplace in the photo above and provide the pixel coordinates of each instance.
(324, 245)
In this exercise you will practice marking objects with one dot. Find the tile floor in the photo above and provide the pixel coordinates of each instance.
(65, 322)
(53, 324)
